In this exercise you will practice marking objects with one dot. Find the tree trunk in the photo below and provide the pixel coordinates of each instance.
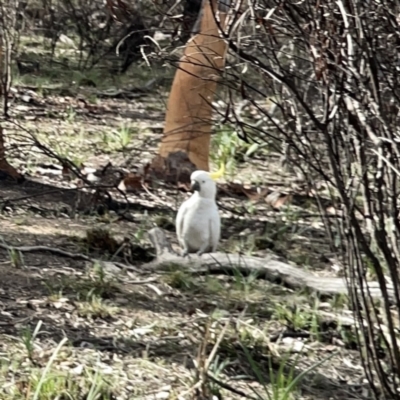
(6, 169)
(188, 122)
(7, 33)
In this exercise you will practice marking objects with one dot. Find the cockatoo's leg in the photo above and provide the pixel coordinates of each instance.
(203, 249)
(185, 251)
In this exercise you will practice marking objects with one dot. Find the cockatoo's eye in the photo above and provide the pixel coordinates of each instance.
(203, 181)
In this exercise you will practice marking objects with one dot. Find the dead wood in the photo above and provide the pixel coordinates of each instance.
(175, 167)
(107, 265)
(266, 268)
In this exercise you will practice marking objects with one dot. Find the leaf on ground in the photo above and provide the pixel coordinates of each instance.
(251, 192)
(278, 199)
(334, 211)
(255, 194)
(184, 185)
(66, 172)
(131, 182)
(233, 188)
(92, 174)
(144, 170)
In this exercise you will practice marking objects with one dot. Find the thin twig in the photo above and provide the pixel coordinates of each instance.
(230, 388)
(63, 253)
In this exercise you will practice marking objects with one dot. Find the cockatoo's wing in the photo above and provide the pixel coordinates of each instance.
(180, 217)
(215, 229)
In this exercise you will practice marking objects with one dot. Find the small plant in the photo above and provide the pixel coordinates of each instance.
(96, 282)
(246, 244)
(369, 266)
(101, 240)
(251, 208)
(142, 229)
(165, 222)
(180, 280)
(297, 318)
(96, 307)
(98, 389)
(43, 377)
(348, 336)
(89, 78)
(244, 283)
(339, 301)
(216, 369)
(93, 99)
(283, 379)
(28, 338)
(212, 285)
(56, 295)
(125, 135)
(98, 274)
(228, 148)
(119, 139)
(16, 258)
(60, 151)
(100, 284)
(71, 115)
(49, 384)
(251, 335)
(53, 386)
(291, 218)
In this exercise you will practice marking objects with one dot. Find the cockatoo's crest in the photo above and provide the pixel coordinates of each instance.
(218, 174)
(203, 184)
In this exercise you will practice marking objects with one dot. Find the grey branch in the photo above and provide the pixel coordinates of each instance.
(265, 268)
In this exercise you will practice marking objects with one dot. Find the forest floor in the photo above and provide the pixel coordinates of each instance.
(71, 329)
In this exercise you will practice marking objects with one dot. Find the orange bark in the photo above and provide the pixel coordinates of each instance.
(188, 119)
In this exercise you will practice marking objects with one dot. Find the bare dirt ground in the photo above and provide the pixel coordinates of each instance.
(134, 335)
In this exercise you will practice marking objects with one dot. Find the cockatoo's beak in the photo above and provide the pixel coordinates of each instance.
(195, 186)
(216, 175)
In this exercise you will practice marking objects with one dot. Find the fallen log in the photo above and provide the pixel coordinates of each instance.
(266, 268)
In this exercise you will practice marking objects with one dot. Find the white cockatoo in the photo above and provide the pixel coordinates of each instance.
(198, 224)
